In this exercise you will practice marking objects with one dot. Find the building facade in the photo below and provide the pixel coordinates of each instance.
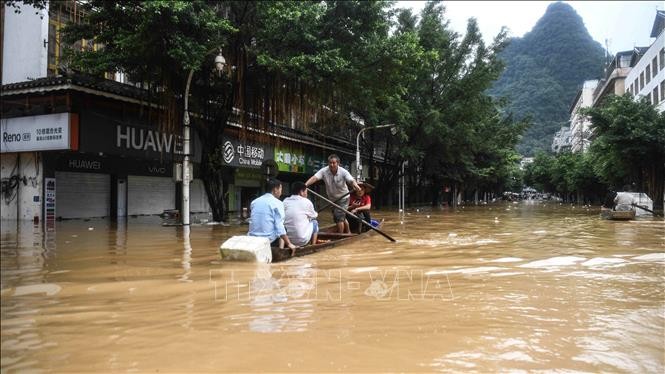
(613, 82)
(580, 126)
(647, 76)
(80, 147)
(562, 140)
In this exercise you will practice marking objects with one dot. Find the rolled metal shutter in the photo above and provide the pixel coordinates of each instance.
(82, 195)
(149, 195)
(198, 199)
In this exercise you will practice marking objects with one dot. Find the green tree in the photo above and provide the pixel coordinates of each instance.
(629, 144)
(291, 60)
(538, 174)
(456, 134)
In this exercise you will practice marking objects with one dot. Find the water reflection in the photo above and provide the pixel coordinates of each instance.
(505, 287)
(279, 300)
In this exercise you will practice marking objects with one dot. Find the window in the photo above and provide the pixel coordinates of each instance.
(662, 59)
(641, 81)
(60, 14)
(54, 45)
(662, 91)
(636, 89)
(647, 72)
(654, 67)
(655, 95)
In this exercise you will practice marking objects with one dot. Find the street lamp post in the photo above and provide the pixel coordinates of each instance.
(219, 65)
(359, 166)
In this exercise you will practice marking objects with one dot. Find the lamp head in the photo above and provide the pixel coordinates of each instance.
(220, 61)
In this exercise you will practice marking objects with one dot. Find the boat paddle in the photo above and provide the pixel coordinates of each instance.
(336, 201)
(354, 216)
(648, 210)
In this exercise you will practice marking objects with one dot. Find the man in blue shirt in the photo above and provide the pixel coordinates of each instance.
(267, 216)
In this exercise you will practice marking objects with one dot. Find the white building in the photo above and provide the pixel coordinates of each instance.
(580, 124)
(22, 172)
(525, 161)
(647, 77)
(613, 83)
(562, 140)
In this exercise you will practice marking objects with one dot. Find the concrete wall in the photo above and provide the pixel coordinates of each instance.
(25, 56)
(25, 200)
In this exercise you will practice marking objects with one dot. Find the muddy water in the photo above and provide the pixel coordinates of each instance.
(494, 288)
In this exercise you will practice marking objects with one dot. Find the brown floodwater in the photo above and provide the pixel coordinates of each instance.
(504, 287)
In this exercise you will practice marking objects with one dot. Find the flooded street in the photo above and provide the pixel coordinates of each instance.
(499, 287)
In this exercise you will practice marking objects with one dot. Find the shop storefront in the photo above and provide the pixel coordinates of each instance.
(121, 168)
(245, 158)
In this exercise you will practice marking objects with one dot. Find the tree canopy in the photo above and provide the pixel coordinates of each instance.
(323, 65)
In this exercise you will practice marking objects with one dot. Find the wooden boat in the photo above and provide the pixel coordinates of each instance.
(327, 239)
(617, 215)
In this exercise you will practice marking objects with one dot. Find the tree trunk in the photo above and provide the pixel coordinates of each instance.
(215, 189)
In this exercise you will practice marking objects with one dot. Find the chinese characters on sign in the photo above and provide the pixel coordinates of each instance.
(49, 203)
(48, 133)
(36, 133)
(290, 159)
(245, 154)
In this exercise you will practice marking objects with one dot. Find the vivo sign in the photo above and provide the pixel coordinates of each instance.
(47, 132)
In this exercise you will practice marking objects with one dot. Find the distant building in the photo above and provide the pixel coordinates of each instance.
(613, 83)
(580, 124)
(562, 140)
(525, 161)
(647, 76)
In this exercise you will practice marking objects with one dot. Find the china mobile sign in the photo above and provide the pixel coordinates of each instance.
(47, 132)
(245, 154)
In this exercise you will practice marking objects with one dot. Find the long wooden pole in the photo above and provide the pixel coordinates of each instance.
(644, 208)
(336, 201)
(353, 215)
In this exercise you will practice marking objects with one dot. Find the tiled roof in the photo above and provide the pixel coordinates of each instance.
(78, 82)
(658, 23)
(125, 92)
(638, 52)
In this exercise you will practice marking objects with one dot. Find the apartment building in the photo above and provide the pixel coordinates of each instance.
(647, 76)
(579, 123)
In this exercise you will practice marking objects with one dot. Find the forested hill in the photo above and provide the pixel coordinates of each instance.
(544, 69)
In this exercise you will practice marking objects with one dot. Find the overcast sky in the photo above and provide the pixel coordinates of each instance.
(625, 24)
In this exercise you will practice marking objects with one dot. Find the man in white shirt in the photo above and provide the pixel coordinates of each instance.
(336, 179)
(301, 225)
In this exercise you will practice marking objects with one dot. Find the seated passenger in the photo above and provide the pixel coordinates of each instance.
(301, 225)
(360, 204)
(267, 216)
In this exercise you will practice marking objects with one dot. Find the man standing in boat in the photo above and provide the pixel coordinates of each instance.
(267, 216)
(337, 180)
(301, 224)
